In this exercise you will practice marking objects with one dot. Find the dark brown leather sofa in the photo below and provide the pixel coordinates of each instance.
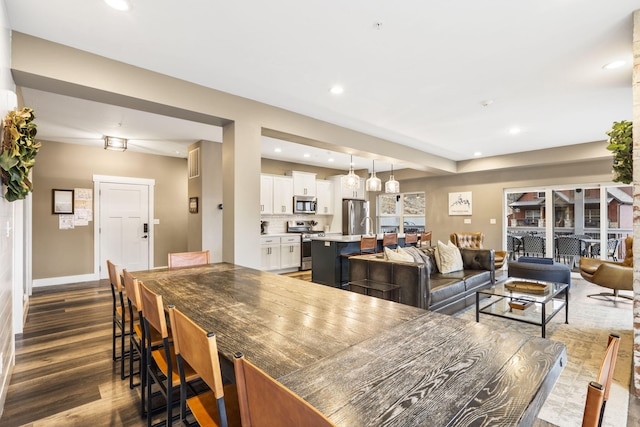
(421, 285)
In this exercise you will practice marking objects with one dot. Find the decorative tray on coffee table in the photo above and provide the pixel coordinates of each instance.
(527, 287)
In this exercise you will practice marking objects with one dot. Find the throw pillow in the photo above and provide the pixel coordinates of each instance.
(392, 255)
(450, 258)
(430, 254)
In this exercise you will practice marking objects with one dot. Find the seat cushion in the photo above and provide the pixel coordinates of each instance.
(443, 289)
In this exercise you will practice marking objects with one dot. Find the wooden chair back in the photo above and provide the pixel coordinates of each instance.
(265, 402)
(198, 348)
(114, 277)
(368, 244)
(598, 391)
(425, 237)
(153, 311)
(132, 288)
(410, 238)
(185, 259)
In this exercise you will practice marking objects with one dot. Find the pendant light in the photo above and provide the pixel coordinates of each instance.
(392, 186)
(373, 183)
(351, 181)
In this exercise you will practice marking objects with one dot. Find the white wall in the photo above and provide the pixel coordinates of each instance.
(7, 224)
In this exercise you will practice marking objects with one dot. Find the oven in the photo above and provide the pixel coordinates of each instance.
(305, 228)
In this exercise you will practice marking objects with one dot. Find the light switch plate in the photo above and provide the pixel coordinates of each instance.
(492, 221)
(156, 221)
(467, 220)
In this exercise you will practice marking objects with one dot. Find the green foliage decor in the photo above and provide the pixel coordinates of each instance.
(621, 143)
(19, 150)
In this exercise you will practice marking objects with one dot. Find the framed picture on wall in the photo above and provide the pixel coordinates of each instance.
(460, 203)
(62, 201)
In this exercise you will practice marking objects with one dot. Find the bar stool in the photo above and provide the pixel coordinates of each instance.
(425, 237)
(389, 239)
(411, 239)
(368, 244)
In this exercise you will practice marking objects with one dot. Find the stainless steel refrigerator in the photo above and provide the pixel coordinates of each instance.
(355, 217)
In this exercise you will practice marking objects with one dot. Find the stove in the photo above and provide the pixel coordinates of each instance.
(305, 228)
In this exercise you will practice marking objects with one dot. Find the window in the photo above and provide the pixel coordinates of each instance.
(401, 213)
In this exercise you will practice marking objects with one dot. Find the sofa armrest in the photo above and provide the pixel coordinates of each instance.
(478, 259)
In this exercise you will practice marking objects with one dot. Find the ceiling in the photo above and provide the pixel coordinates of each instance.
(452, 78)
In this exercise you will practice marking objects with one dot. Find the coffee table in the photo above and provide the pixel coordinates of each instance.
(543, 305)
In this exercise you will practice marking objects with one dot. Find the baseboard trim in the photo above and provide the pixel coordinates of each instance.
(51, 281)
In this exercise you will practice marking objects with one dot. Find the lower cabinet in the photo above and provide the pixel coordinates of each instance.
(279, 253)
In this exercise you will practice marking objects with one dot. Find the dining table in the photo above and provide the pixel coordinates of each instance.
(361, 360)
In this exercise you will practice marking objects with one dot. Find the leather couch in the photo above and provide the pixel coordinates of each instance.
(421, 285)
(475, 240)
(617, 276)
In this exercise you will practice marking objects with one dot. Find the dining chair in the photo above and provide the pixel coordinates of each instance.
(425, 237)
(185, 259)
(411, 239)
(137, 337)
(533, 245)
(120, 318)
(197, 350)
(568, 250)
(514, 246)
(264, 402)
(389, 239)
(162, 367)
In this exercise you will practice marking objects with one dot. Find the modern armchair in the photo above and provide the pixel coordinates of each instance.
(475, 240)
(617, 276)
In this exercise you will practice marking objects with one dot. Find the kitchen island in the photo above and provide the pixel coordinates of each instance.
(364, 361)
(329, 267)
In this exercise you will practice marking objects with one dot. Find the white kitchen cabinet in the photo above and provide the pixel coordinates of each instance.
(282, 195)
(347, 193)
(290, 252)
(304, 183)
(266, 194)
(324, 194)
(270, 253)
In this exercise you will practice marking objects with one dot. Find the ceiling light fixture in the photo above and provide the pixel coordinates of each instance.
(351, 181)
(121, 5)
(514, 131)
(373, 183)
(392, 186)
(613, 65)
(115, 144)
(337, 90)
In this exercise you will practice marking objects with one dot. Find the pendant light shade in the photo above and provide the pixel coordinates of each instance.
(392, 186)
(373, 183)
(351, 181)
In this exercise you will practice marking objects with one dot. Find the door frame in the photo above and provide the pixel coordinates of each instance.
(106, 179)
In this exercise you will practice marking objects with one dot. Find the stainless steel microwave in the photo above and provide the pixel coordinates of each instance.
(304, 205)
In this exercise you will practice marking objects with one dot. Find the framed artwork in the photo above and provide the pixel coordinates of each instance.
(62, 201)
(460, 203)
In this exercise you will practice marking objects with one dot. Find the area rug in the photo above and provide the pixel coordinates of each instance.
(590, 323)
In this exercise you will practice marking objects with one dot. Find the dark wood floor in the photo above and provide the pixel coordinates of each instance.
(64, 374)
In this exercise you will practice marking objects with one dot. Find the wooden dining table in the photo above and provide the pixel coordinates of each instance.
(364, 361)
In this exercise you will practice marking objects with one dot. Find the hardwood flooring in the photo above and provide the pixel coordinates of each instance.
(64, 374)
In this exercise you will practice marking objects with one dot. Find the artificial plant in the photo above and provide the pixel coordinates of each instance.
(19, 150)
(621, 143)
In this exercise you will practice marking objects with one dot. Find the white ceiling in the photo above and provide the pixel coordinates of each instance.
(447, 77)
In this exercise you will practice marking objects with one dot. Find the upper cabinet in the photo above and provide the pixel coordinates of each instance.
(282, 195)
(324, 193)
(304, 183)
(266, 194)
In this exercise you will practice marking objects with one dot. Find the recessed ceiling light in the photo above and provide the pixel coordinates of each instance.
(337, 90)
(330, 159)
(119, 4)
(477, 153)
(613, 65)
(307, 155)
(278, 150)
(514, 131)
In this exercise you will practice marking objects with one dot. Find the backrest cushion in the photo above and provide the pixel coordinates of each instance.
(448, 257)
(468, 239)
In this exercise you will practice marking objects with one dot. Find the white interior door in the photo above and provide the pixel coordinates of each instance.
(124, 226)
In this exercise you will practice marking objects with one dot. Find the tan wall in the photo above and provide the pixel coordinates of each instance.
(59, 253)
(487, 193)
(276, 167)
